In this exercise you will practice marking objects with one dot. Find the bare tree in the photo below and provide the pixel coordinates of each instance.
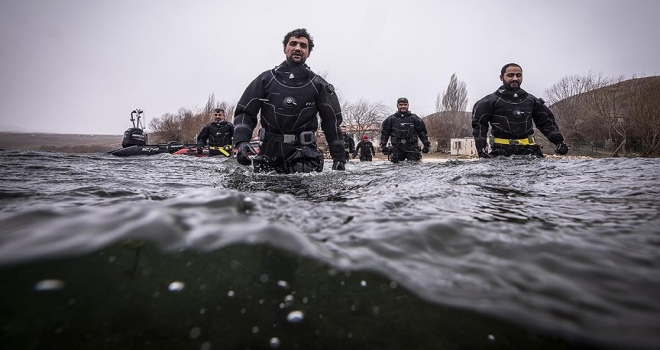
(451, 119)
(186, 124)
(605, 102)
(566, 99)
(642, 104)
(166, 128)
(364, 117)
(454, 98)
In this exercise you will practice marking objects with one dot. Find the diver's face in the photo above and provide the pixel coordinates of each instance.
(402, 107)
(297, 50)
(512, 77)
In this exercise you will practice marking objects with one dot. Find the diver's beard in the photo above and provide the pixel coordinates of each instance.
(509, 87)
(291, 62)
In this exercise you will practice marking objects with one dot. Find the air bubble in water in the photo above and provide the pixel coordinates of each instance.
(195, 333)
(295, 316)
(176, 286)
(274, 342)
(48, 285)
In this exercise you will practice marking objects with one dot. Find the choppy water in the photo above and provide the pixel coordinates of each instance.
(181, 252)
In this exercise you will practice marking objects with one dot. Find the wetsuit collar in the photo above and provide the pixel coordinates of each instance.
(509, 94)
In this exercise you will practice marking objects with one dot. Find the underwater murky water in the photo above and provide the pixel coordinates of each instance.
(200, 253)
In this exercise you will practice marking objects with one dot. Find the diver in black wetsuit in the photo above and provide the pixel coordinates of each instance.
(366, 149)
(512, 114)
(288, 98)
(219, 134)
(349, 143)
(404, 128)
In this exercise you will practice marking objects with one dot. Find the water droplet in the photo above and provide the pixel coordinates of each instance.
(234, 264)
(72, 302)
(112, 259)
(305, 300)
(205, 346)
(202, 311)
(376, 310)
(230, 293)
(491, 337)
(263, 278)
(282, 284)
(393, 285)
(176, 286)
(195, 333)
(274, 342)
(295, 316)
(363, 283)
(48, 285)
(261, 301)
(255, 329)
(288, 300)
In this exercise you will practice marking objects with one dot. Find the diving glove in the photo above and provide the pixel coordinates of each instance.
(562, 148)
(244, 150)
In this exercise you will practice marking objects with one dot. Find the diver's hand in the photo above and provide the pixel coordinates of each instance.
(425, 149)
(338, 165)
(562, 148)
(243, 151)
(484, 154)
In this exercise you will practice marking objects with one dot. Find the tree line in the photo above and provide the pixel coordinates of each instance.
(593, 112)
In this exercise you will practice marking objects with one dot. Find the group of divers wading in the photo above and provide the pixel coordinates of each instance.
(290, 100)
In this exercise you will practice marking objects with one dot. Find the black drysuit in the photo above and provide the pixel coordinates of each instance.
(349, 145)
(218, 134)
(366, 150)
(512, 115)
(288, 99)
(403, 130)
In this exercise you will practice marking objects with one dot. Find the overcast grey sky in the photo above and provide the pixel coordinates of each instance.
(81, 66)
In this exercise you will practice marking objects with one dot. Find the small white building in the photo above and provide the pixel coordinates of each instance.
(463, 146)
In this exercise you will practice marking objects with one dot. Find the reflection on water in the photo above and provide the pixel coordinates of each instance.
(186, 252)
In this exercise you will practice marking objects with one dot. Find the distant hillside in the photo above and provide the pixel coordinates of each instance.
(626, 85)
(69, 143)
(621, 116)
